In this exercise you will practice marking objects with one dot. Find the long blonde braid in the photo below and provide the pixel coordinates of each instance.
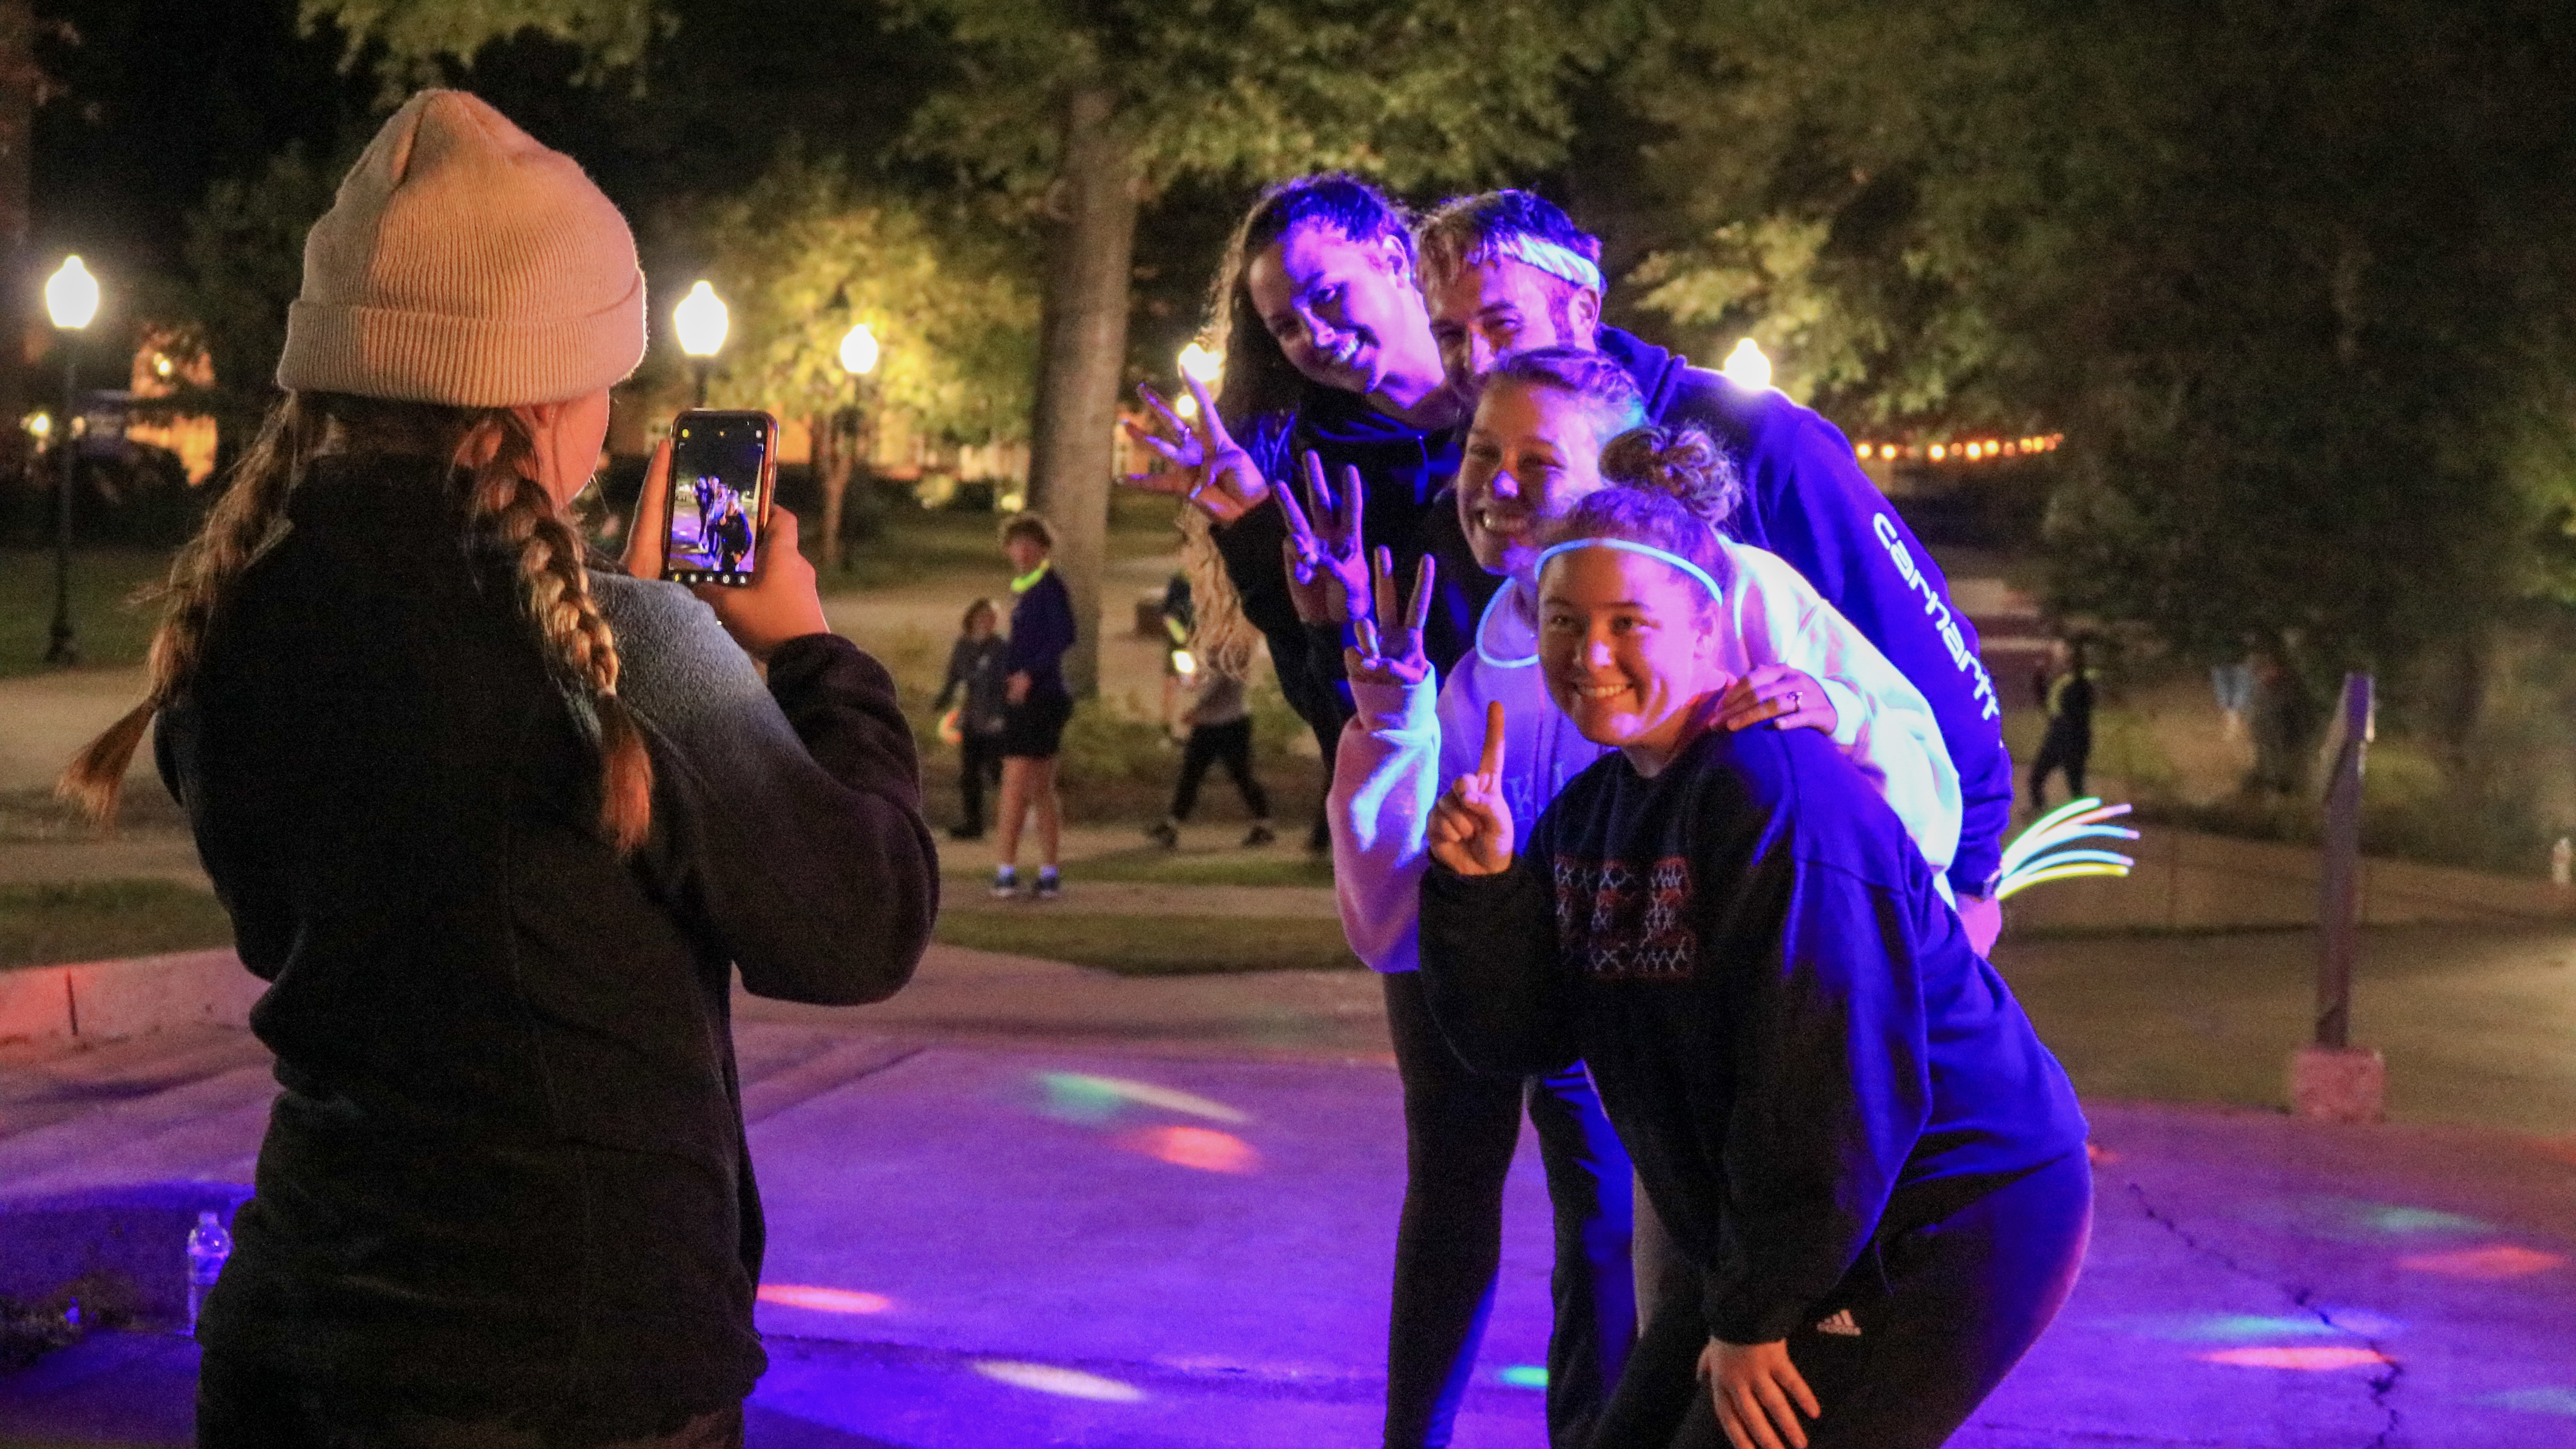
(507, 505)
(1220, 635)
(514, 510)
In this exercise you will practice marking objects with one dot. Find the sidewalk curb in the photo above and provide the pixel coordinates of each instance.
(108, 999)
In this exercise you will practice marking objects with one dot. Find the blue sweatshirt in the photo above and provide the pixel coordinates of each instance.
(1041, 631)
(1789, 1029)
(1806, 499)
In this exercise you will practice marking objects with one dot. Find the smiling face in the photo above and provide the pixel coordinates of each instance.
(1486, 311)
(1533, 453)
(1338, 308)
(1625, 642)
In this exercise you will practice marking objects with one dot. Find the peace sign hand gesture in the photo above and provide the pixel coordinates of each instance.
(1394, 657)
(1328, 571)
(1212, 472)
(1471, 827)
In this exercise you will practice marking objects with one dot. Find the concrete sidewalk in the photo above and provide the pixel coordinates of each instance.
(1017, 1232)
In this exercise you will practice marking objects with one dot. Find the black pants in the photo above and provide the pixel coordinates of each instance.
(1230, 745)
(2060, 749)
(243, 1403)
(979, 764)
(1944, 1313)
(1460, 1129)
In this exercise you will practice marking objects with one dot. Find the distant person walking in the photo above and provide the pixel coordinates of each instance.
(978, 664)
(1220, 721)
(2068, 745)
(1038, 704)
(2233, 684)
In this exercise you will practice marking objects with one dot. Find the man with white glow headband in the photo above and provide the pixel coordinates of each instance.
(1506, 271)
(1838, 1110)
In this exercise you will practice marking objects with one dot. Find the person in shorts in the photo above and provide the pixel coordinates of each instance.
(1038, 704)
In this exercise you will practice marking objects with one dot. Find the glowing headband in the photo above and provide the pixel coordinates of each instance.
(1557, 261)
(1649, 550)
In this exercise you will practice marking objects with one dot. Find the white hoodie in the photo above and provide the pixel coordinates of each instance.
(1402, 749)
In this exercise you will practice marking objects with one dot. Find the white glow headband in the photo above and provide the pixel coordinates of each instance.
(1664, 556)
(1557, 261)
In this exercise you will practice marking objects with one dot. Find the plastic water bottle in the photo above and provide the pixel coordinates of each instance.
(208, 1246)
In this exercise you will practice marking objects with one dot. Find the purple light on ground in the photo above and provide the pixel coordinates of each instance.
(1202, 1149)
(1064, 1383)
(2536, 1401)
(823, 1300)
(2309, 1360)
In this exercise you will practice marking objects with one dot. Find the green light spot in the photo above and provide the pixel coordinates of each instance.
(1524, 1376)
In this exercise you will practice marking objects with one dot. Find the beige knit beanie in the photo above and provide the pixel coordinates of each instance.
(464, 263)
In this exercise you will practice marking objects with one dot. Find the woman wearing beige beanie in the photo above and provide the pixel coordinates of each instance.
(498, 827)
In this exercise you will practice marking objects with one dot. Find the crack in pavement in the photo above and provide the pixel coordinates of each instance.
(2383, 1385)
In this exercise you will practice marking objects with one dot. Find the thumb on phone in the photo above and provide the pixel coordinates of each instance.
(645, 532)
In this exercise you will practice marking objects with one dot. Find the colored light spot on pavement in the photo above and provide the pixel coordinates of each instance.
(2422, 1220)
(2504, 1260)
(1081, 1097)
(2312, 1360)
(823, 1300)
(1524, 1376)
(1201, 1148)
(1064, 1383)
(2535, 1401)
(2243, 1327)
(2098, 1155)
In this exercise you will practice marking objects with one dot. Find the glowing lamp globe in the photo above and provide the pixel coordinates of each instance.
(1202, 363)
(71, 296)
(859, 351)
(1747, 368)
(702, 320)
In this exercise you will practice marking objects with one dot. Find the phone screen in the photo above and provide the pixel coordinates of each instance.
(719, 480)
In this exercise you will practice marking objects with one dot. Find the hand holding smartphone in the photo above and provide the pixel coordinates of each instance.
(772, 595)
(724, 475)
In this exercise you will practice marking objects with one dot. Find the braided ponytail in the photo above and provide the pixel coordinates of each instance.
(513, 510)
(1680, 463)
(242, 525)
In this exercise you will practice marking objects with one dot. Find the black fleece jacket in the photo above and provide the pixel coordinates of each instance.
(1785, 1019)
(507, 1177)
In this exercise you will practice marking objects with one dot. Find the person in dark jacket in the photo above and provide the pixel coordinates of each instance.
(2067, 696)
(498, 829)
(977, 665)
(1507, 271)
(1844, 1119)
(1037, 704)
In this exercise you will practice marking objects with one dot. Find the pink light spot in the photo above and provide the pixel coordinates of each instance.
(1202, 1148)
(2098, 1155)
(823, 1300)
(2312, 1360)
(2504, 1260)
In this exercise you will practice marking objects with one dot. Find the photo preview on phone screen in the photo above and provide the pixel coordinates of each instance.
(718, 468)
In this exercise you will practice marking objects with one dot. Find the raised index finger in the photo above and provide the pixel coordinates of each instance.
(1491, 765)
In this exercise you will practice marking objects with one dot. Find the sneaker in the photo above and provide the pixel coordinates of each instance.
(1006, 883)
(1164, 834)
(966, 832)
(1048, 886)
(1259, 835)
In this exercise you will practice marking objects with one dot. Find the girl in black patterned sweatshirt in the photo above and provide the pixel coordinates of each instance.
(1840, 1112)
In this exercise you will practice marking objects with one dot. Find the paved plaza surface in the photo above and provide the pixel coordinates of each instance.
(1028, 1204)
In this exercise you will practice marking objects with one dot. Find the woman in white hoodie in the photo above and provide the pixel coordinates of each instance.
(1553, 426)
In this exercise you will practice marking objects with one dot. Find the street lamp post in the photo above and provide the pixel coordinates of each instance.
(71, 299)
(858, 359)
(702, 321)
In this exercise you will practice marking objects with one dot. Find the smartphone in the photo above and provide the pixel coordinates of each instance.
(724, 469)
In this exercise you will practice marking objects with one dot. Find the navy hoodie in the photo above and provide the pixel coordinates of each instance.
(1788, 1026)
(1806, 499)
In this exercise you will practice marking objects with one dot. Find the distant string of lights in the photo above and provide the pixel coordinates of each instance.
(1975, 450)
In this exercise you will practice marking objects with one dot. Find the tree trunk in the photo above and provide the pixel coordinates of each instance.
(1084, 342)
(18, 78)
(832, 472)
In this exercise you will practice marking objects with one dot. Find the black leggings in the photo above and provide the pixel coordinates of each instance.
(1944, 1312)
(979, 764)
(2061, 749)
(1460, 1129)
(1228, 744)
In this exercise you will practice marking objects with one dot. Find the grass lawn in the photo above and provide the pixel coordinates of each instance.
(43, 925)
(1150, 866)
(1154, 945)
(106, 630)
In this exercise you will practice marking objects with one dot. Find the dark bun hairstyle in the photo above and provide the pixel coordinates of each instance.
(1683, 464)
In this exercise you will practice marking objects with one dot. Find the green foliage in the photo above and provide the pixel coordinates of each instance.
(1441, 91)
(2292, 283)
(244, 262)
(419, 35)
(803, 253)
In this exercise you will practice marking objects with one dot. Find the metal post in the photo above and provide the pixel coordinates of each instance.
(62, 649)
(702, 383)
(2339, 913)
